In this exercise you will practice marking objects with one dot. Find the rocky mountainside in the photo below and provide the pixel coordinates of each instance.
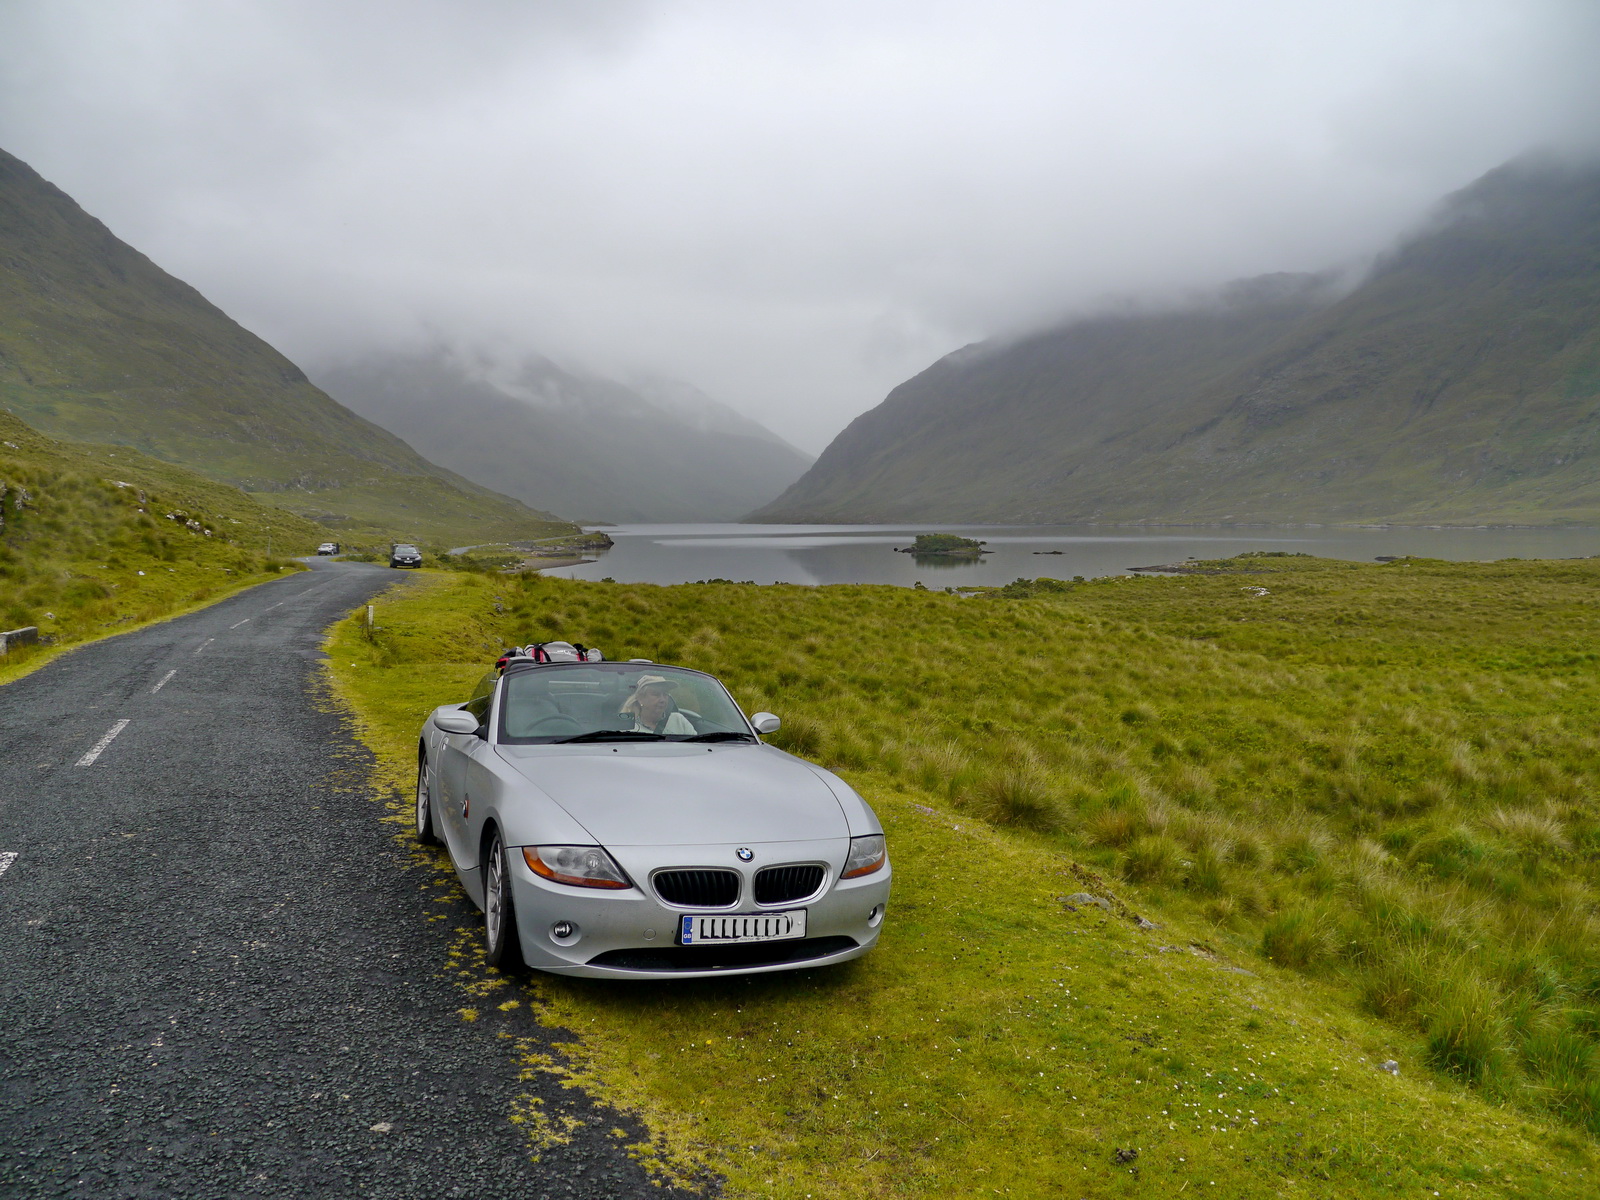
(99, 344)
(1458, 383)
(578, 444)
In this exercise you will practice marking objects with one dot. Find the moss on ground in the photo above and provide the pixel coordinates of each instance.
(1356, 801)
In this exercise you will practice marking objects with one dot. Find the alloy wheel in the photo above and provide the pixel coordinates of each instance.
(494, 899)
(426, 833)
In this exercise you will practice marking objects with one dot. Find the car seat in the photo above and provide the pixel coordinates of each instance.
(523, 718)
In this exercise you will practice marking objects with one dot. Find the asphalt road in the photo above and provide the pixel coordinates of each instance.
(216, 973)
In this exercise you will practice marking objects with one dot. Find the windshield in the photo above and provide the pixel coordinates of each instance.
(616, 701)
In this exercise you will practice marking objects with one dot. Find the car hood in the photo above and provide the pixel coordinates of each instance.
(680, 795)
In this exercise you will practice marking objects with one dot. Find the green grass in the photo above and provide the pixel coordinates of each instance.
(95, 540)
(1359, 809)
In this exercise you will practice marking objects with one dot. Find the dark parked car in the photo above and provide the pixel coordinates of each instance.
(403, 554)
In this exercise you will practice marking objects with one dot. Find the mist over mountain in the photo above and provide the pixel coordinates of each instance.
(99, 344)
(1458, 383)
(652, 450)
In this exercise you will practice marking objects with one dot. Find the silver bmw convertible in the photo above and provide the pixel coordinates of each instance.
(625, 820)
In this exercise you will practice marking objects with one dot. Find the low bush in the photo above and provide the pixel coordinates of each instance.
(1019, 796)
(1207, 873)
(1466, 1027)
(799, 734)
(1150, 859)
(1298, 938)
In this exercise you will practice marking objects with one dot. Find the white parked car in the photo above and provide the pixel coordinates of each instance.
(625, 820)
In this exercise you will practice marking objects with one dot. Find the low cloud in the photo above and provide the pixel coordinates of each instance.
(793, 207)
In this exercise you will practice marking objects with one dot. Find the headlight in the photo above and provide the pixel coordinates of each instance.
(581, 866)
(867, 854)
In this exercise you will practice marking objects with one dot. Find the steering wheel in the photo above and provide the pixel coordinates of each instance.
(557, 725)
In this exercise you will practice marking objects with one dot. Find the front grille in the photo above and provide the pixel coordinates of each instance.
(698, 889)
(784, 885)
(723, 958)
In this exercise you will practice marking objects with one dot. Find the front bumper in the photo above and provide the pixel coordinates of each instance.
(632, 934)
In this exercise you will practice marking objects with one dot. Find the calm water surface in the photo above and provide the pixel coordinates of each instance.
(815, 554)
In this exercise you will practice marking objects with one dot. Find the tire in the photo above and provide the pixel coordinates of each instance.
(503, 949)
(427, 831)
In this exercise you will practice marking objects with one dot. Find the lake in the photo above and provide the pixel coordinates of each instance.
(818, 554)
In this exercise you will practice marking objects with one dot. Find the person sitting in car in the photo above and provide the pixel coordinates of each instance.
(651, 708)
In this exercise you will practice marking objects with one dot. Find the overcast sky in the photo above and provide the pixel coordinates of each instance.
(792, 205)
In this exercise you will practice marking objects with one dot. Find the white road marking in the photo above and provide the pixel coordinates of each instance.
(100, 747)
(236, 624)
(163, 682)
(203, 645)
(7, 857)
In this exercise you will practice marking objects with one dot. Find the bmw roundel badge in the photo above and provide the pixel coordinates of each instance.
(745, 853)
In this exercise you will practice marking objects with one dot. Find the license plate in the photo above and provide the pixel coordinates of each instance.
(742, 927)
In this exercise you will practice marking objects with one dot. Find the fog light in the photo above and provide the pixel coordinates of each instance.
(564, 932)
(875, 917)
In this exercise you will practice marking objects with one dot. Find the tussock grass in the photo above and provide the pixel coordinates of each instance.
(1395, 809)
(1298, 937)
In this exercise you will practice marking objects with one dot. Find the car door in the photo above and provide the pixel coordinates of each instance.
(457, 751)
(484, 787)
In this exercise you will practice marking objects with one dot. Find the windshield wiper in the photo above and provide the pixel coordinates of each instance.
(611, 735)
(722, 735)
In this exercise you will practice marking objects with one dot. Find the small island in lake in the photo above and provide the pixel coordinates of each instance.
(946, 545)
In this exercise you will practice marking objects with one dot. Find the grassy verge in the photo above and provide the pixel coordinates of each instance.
(95, 541)
(1354, 800)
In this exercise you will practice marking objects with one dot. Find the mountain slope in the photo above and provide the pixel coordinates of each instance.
(93, 538)
(1460, 382)
(592, 447)
(97, 343)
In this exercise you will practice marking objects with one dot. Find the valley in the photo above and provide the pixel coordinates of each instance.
(1003, 599)
(579, 444)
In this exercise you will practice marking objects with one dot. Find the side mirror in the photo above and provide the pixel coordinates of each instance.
(455, 721)
(765, 722)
